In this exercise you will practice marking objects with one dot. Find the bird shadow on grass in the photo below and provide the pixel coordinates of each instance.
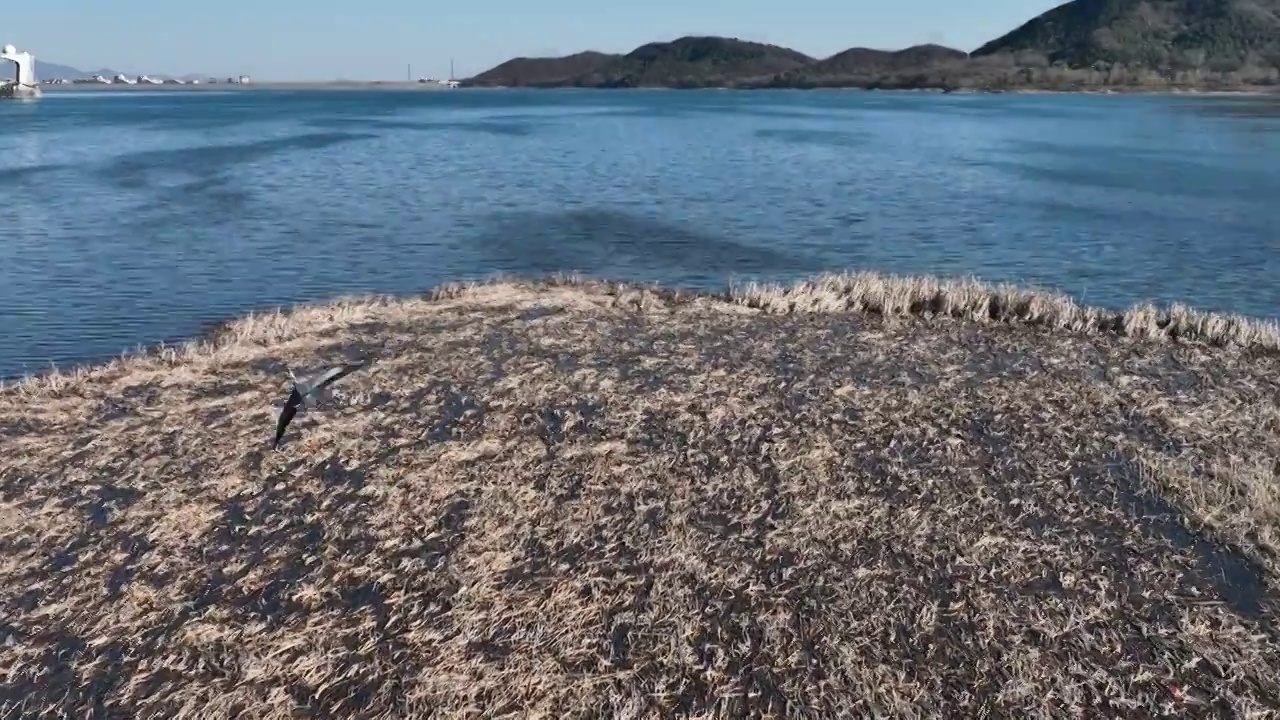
(1226, 572)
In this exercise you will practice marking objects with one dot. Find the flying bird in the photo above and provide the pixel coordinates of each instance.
(304, 392)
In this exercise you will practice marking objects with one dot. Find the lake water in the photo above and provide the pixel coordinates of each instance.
(132, 218)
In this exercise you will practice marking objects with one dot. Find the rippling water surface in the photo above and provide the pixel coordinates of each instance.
(134, 218)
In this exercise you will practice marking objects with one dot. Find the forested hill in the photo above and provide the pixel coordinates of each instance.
(1081, 45)
(693, 61)
(542, 72)
(1211, 35)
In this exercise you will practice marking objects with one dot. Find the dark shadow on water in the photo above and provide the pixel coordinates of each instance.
(135, 170)
(1159, 177)
(1267, 108)
(1105, 153)
(514, 129)
(644, 111)
(978, 105)
(216, 199)
(606, 241)
(825, 138)
(507, 127)
(1056, 210)
(669, 109)
(764, 111)
(13, 177)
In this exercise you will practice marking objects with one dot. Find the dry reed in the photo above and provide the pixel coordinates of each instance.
(857, 496)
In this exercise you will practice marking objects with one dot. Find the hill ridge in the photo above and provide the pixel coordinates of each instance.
(52, 71)
(1078, 45)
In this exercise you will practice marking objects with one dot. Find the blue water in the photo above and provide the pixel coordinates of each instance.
(133, 218)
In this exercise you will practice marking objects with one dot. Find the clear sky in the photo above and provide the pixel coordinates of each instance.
(376, 39)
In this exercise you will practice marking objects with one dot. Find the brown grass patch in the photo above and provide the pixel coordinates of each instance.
(858, 496)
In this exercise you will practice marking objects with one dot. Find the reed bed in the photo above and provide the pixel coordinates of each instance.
(856, 496)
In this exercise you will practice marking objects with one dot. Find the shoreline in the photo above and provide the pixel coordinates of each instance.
(887, 296)
(402, 85)
(547, 498)
(412, 86)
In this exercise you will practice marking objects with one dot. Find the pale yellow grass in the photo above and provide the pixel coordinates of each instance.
(859, 496)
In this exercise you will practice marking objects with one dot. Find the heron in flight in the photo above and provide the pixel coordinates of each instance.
(304, 392)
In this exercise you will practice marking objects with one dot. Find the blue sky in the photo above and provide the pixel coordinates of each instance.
(375, 39)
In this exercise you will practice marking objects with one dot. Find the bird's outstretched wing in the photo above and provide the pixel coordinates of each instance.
(286, 414)
(333, 374)
(302, 394)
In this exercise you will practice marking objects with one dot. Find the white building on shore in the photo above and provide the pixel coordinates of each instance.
(23, 84)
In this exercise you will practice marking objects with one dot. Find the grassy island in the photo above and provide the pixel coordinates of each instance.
(858, 496)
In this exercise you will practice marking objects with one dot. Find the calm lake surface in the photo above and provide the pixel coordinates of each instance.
(131, 218)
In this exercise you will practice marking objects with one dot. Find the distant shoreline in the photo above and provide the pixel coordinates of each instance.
(414, 86)
(1251, 92)
(406, 85)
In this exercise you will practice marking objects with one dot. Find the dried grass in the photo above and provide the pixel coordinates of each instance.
(857, 496)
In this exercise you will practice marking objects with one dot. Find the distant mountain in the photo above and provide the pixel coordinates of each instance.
(708, 61)
(865, 67)
(537, 72)
(52, 71)
(695, 61)
(1081, 45)
(865, 60)
(691, 61)
(1215, 35)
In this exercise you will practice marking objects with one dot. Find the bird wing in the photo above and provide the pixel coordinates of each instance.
(286, 414)
(332, 374)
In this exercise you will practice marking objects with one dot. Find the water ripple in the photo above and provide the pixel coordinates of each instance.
(140, 218)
